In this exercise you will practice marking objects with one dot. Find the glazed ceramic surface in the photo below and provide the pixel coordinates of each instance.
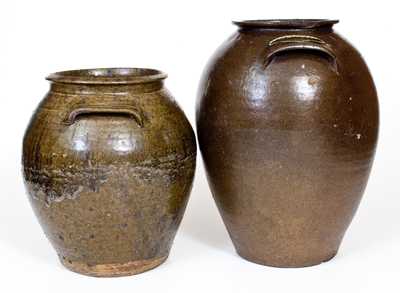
(287, 121)
(108, 161)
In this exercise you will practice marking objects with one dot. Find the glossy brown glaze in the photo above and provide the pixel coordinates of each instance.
(108, 161)
(287, 122)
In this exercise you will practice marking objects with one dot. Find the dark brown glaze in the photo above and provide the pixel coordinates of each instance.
(287, 122)
(108, 161)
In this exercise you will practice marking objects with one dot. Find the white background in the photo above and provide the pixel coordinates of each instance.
(178, 37)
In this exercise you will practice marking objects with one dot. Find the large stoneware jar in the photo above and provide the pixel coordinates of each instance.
(287, 122)
(108, 161)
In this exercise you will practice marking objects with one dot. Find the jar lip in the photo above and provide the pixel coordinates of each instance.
(117, 75)
(286, 23)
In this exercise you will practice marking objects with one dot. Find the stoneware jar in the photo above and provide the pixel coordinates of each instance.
(108, 161)
(287, 122)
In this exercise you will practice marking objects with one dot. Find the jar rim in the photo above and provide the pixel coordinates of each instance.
(286, 23)
(117, 75)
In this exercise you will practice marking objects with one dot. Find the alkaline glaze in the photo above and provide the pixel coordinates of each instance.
(108, 161)
(287, 122)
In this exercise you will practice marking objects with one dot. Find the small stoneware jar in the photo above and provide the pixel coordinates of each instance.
(287, 122)
(108, 161)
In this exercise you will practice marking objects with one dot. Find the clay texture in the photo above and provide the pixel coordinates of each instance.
(287, 121)
(108, 161)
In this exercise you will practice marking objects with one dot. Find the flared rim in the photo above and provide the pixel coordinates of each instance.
(107, 76)
(286, 23)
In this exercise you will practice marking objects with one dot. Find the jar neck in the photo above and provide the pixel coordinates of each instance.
(116, 89)
(286, 25)
(286, 30)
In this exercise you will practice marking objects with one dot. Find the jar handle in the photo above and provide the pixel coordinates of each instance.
(300, 42)
(77, 110)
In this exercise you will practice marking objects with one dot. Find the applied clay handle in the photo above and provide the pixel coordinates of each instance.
(299, 42)
(129, 110)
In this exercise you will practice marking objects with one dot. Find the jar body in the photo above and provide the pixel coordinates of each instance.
(109, 170)
(287, 124)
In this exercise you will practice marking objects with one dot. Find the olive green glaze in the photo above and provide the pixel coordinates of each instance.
(108, 161)
(287, 122)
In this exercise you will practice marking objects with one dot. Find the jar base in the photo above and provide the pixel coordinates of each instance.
(288, 263)
(113, 270)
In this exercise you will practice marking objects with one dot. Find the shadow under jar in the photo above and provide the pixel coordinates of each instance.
(287, 122)
(108, 161)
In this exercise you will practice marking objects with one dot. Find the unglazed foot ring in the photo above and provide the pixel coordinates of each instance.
(113, 270)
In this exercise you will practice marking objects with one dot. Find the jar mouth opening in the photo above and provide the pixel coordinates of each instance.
(107, 76)
(286, 23)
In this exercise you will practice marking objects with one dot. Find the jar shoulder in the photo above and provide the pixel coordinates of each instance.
(245, 50)
(325, 64)
(298, 91)
(107, 138)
